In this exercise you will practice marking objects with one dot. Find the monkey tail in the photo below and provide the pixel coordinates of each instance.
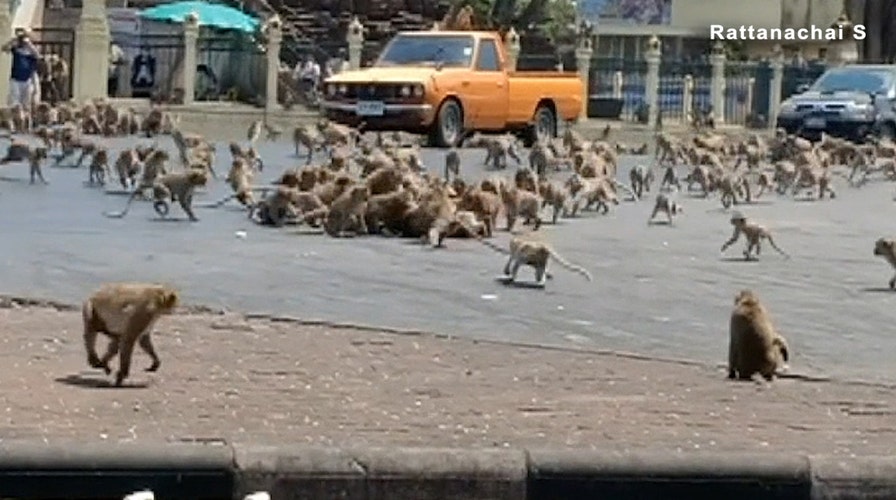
(119, 215)
(571, 267)
(217, 203)
(782, 252)
(626, 188)
(488, 243)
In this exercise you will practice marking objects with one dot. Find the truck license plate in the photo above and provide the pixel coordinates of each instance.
(815, 123)
(371, 108)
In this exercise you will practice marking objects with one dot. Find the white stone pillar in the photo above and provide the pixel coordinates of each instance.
(618, 80)
(191, 48)
(652, 79)
(687, 99)
(272, 75)
(355, 40)
(717, 84)
(513, 49)
(92, 39)
(583, 64)
(774, 94)
(5, 57)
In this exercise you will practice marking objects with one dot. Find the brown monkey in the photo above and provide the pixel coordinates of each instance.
(667, 206)
(177, 186)
(754, 345)
(556, 195)
(347, 211)
(286, 204)
(15, 152)
(99, 163)
(754, 233)
(21, 119)
(486, 205)
(525, 251)
(452, 164)
(498, 149)
(641, 177)
(519, 202)
(35, 159)
(127, 166)
(886, 249)
(387, 211)
(126, 313)
(309, 137)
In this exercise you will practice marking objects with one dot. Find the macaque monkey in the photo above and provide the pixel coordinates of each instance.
(754, 233)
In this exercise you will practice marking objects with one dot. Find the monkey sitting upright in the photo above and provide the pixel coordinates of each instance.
(754, 233)
(754, 344)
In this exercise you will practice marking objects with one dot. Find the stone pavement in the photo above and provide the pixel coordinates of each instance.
(257, 381)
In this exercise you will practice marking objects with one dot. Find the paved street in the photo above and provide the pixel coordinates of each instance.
(658, 290)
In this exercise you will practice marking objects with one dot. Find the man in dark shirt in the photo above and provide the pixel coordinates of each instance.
(24, 67)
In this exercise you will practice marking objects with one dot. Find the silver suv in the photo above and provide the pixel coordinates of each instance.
(850, 101)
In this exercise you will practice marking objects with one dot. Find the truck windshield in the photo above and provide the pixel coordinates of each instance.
(854, 79)
(445, 50)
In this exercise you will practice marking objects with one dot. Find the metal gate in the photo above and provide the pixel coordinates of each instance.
(61, 42)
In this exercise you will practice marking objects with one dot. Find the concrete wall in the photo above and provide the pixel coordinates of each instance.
(35, 470)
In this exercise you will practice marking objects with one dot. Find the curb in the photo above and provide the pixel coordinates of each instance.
(79, 471)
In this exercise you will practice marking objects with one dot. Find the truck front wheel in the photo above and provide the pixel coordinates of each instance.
(448, 129)
(544, 126)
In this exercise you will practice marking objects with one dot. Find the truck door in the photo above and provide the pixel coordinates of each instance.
(488, 87)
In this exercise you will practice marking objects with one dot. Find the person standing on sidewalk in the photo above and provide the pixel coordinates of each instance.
(24, 68)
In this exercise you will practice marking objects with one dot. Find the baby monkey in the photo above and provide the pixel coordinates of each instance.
(754, 233)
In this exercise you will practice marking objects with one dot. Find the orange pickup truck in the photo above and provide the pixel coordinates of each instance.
(448, 84)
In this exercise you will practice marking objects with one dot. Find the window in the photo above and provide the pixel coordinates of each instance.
(488, 59)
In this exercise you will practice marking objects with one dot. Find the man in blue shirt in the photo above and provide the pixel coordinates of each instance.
(24, 66)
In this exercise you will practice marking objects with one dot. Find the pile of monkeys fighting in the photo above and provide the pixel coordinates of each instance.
(379, 185)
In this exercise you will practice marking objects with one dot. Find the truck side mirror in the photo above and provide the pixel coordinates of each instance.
(802, 88)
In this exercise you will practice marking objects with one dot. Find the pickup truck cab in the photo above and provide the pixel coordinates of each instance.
(449, 84)
(850, 101)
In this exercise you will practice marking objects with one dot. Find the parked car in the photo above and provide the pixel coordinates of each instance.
(850, 101)
(448, 84)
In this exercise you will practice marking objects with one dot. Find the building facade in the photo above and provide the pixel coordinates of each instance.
(623, 26)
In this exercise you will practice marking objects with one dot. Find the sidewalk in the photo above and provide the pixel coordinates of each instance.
(230, 121)
(273, 382)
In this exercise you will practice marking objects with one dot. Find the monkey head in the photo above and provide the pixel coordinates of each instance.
(166, 299)
(738, 219)
(746, 296)
(197, 177)
(158, 155)
(101, 155)
(885, 246)
(359, 194)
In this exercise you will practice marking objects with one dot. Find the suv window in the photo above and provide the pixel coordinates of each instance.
(488, 56)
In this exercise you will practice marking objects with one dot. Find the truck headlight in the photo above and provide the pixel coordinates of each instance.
(331, 90)
(405, 91)
(787, 107)
(417, 90)
(343, 89)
